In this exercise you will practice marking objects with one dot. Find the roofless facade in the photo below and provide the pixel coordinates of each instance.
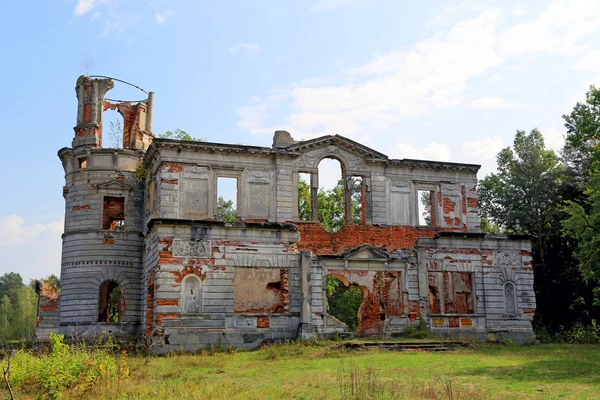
(146, 254)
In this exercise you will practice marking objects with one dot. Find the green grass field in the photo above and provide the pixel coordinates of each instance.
(317, 371)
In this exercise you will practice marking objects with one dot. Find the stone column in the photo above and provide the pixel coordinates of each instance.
(307, 328)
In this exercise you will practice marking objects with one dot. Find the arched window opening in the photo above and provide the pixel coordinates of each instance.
(110, 302)
(304, 200)
(343, 301)
(331, 198)
(192, 295)
(112, 129)
(510, 299)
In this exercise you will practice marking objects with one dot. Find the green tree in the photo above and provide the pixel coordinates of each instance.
(331, 207)
(6, 314)
(426, 202)
(180, 134)
(10, 283)
(582, 138)
(524, 196)
(225, 210)
(24, 314)
(304, 206)
(584, 226)
(343, 302)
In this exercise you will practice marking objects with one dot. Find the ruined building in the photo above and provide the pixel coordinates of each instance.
(145, 255)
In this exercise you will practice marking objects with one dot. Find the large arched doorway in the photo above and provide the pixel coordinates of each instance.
(110, 302)
(331, 197)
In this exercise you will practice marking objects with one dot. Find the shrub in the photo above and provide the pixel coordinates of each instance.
(421, 331)
(64, 367)
(576, 334)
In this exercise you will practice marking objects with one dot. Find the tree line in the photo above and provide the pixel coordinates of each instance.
(555, 199)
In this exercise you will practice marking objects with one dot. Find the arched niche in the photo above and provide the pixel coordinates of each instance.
(191, 295)
(510, 298)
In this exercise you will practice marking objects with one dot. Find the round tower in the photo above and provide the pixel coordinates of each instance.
(101, 265)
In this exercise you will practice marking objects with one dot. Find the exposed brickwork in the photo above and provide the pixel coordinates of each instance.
(167, 302)
(378, 304)
(160, 317)
(113, 210)
(314, 238)
(472, 202)
(187, 270)
(262, 322)
(454, 322)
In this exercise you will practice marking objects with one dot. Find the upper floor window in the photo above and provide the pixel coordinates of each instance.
(426, 207)
(113, 213)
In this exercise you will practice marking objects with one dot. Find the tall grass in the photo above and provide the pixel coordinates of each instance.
(63, 367)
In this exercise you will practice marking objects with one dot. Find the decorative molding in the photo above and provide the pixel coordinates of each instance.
(197, 172)
(451, 189)
(97, 262)
(508, 258)
(399, 186)
(254, 260)
(458, 266)
(309, 159)
(113, 184)
(191, 248)
(507, 274)
(260, 177)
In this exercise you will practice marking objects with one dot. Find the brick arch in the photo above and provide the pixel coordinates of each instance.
(113, 274)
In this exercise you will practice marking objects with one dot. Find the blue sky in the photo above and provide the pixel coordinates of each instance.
(438, 80)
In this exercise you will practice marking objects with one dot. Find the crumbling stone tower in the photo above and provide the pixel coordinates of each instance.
(104, 221)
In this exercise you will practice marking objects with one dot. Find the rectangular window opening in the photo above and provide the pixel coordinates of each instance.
(113, 215)
(82, 162)
(357, 205)
(227, 199)
(426, 207)
(304, 200)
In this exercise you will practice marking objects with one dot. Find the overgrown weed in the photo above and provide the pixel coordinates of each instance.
(64, 367)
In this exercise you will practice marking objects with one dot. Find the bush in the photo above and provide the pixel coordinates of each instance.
(64, 367)
(420, 331)
(576, 334)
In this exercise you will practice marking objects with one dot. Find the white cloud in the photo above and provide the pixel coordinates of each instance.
(553, 138)
(161, 18)
(483, 152)
(249, 49)
(371, 99)
(430, 74)
(85, 6)
(95, 16)
(486, 147)
(557, 29)
(33, 250)
(434, 151)
(491, 102)
(13, 230)
(327, 5)
(590, 61)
